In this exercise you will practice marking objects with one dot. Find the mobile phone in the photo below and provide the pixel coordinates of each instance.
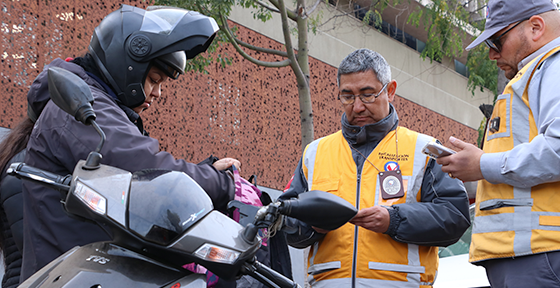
(436, 150)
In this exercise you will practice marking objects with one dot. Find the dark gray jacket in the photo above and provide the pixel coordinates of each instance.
(11, 215)
(439, 219)
(58, 142)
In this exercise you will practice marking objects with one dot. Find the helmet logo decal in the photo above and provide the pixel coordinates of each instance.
(140, 45)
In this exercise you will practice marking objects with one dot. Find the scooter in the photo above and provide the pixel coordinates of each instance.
(159, 219)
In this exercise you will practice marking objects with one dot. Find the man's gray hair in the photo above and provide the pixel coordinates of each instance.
(363, 60)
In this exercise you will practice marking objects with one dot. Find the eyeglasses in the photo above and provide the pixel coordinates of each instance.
(495, 43)
(348, 99)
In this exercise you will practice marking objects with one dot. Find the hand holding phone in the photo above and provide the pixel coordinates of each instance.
(436, 150)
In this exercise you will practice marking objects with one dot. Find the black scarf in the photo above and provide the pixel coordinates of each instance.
(370, 134)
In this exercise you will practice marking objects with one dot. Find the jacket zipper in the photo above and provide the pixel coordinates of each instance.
(355, 253)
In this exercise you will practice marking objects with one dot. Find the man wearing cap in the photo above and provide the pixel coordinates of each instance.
(516, 231)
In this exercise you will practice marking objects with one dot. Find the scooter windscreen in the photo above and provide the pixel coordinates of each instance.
(164, 204)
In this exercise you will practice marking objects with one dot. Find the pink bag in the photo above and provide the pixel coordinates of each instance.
(247, 193)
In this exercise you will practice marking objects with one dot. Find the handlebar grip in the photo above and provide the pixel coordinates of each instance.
(268, 276)
(51, 180)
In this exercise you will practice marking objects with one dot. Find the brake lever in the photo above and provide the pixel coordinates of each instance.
(247, 212)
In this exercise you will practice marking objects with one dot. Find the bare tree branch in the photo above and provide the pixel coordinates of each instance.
(475, 11)
(290, 14)
(303, 47)
(341, 15)
(288, 40)
(310, 11)
(233, 41)
(261, 49)
(273, 9)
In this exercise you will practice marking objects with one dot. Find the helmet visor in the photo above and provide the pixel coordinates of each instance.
(173, 64)
(162, 20)
(167, 69)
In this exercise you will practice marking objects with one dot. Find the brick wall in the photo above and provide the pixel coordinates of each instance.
(243, 110)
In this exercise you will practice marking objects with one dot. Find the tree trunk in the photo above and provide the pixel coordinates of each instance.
(306, 109)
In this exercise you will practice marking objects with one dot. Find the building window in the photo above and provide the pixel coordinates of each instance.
(461, 68)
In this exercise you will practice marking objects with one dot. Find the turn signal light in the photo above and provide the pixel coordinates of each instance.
(217, 254)
(91, 198)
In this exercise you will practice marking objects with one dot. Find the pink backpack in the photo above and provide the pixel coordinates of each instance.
(245, 192)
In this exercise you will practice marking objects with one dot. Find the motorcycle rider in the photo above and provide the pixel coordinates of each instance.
(131, 54)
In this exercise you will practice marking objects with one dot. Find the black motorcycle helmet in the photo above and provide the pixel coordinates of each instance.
(130, 40)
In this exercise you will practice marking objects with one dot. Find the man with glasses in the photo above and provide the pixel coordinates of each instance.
(516, 232)
(407, 205)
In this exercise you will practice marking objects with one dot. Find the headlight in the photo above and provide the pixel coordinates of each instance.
(91, 198)
(216, 254)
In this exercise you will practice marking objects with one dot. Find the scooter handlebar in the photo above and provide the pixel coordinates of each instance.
(51, 180)
(268, 276)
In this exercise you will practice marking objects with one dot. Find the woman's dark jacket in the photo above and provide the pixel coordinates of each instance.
(11, 215)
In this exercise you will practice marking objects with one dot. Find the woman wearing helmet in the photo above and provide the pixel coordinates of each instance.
(132, 53)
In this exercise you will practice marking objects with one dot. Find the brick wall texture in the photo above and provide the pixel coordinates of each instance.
(242, 111)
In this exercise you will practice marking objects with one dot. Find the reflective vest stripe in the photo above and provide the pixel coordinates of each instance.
(362, 282)
(323, 267)
(521, 133)
(506, 133)
(397, 267)
(312, 270)
(414, 263)
(419, 168)
(503, 222)
(522, 228)
(309, 161)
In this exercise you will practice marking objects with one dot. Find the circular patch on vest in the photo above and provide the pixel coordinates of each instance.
(391, 166)
(391, 185)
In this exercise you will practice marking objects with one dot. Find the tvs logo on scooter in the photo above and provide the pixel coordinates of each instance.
(98, 259)
(177, 285)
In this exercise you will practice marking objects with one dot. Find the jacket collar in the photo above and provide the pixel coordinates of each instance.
(131, 114)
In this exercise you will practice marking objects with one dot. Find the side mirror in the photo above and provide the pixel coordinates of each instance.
(320, 209)
(71, 94)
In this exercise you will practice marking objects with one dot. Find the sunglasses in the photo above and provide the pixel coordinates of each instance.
(495, 43)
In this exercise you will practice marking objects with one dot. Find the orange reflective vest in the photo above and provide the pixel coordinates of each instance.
(511, 221)
(352, 253)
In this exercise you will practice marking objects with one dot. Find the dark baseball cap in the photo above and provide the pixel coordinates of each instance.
(502, 13)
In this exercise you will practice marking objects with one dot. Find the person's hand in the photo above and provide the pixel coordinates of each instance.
(376, 219)
(463, 165)
(225, 163)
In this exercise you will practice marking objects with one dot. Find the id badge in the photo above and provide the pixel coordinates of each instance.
(391, 184)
